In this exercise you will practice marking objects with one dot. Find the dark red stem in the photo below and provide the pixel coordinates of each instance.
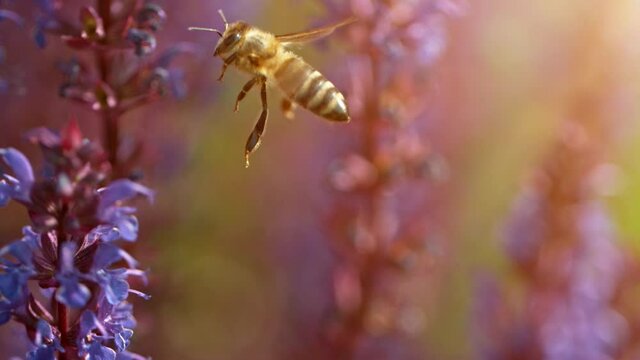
(63, 325)
(354, 325)
(109, 117)
(61, 309)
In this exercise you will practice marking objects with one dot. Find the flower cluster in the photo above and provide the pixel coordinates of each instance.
(120, 74)
(562, 242)
(379, 242)
(67, 279)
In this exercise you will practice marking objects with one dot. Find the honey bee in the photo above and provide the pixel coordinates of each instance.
(269, 60)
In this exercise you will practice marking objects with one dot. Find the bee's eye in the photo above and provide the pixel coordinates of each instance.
(231, 39)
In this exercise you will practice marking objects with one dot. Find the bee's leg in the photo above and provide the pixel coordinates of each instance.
(288, 107)
(245, 89)
(228, 61)
(256, 135)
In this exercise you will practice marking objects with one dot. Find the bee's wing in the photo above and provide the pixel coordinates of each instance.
(313, 34)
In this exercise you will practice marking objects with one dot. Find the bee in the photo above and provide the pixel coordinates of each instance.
(269, 60)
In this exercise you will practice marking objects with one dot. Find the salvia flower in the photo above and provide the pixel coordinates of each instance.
(70, 252)
(394, 45)
(562, 242)
(131, 28)
(123, 72)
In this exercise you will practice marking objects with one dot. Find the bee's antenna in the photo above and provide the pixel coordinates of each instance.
(192, 28)
(224, 19)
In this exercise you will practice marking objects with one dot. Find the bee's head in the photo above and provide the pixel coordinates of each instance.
(231, 38)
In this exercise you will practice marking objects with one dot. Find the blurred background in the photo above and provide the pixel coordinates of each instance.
(241, 265)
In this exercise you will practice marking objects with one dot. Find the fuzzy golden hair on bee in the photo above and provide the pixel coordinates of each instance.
(268, 59)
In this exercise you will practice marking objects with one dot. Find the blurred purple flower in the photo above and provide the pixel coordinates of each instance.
(125, 75)
(560, 239)
(378, 243)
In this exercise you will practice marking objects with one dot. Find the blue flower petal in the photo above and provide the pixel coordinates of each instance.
(105, 233)
(166, 58)
(5, 193)
(88, 322)
(122, 314)
(43, 331)
(117, 291)
(66, 257)
(46, 6)
(10, 15)
(40, 38)
(114, 284)
(125, 355)
(177, 84)
(123, 339)
(42, 353)
(99, 352)
(5, 316)
(5, 312)
(106, 255)
(128, 226)
(21, 251)
(71, 292)
(121, 190)
(19, 164)
(30, 236)
(13, 284)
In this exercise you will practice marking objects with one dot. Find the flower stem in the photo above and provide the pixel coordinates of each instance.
(61, 309)
(63, 327)
(112, 140)
(109, 117)
(355, 324)
(104, 10)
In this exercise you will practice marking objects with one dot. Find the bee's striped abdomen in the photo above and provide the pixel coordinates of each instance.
(307, 87)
